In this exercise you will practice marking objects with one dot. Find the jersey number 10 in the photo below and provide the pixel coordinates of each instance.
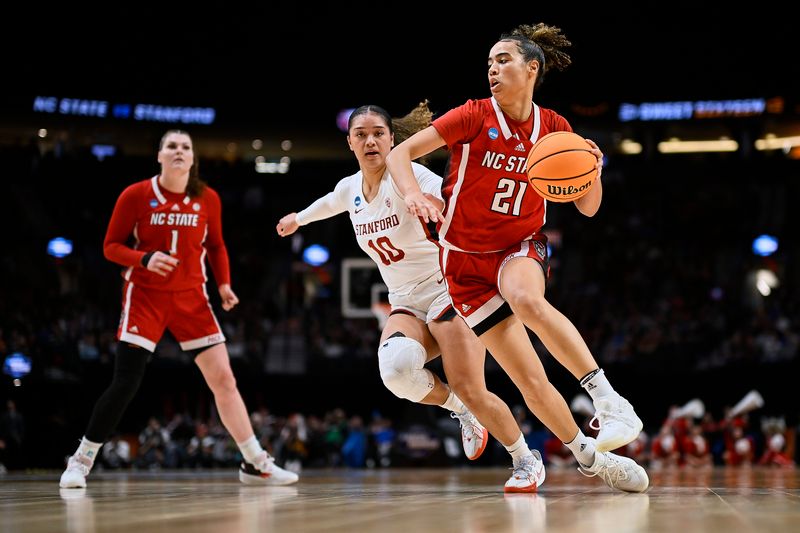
(387, 251)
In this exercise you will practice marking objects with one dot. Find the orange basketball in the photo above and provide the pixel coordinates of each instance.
(561, 166)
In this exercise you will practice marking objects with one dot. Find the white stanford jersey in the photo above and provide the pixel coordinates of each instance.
(490, 203)
(398, 242)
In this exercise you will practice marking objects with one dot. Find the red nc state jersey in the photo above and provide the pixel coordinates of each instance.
(160, 220)
(490, 205)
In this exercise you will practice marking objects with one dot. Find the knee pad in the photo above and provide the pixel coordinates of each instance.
(401, 361)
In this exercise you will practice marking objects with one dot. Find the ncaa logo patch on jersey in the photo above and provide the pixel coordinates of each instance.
(357, 201)
(493, 133)
(153, 203)
(389, 203)
(196, 206)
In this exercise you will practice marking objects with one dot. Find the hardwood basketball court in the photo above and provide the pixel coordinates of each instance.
(402, 500)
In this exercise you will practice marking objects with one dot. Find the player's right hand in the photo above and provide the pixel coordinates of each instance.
(162, 264)
(287, 225)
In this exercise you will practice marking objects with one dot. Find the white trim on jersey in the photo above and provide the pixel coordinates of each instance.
(537, 127)
(157, 191)
(127, 307)
(138, 340)
(537, 123)
(203, 257)
(202, 342)
(125, 335)
(484, 311)
(451, 208)
(129, 270)
(501, 119)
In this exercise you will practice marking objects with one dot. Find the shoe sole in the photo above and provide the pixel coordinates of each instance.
(613, 444)
(71, 486)
(483, 447)
(521, 490)
(257, 480)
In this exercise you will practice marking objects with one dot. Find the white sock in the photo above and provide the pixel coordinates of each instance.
(596, 384)
(89, 448)
(518, 449)
(452, 403)
(250, 449)
(582, 448)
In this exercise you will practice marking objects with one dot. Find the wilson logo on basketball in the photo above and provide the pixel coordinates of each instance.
(559, 190)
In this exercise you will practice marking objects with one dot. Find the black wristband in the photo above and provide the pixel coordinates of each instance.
(146, 258)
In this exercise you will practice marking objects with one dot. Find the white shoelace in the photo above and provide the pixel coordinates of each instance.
(611, 472)
(524, 468)
(467, 420)
(264, 464)
(615, 413)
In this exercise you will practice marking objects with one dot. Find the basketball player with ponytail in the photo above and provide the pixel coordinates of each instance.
(494, 257)
(422, 323)
(175, 220)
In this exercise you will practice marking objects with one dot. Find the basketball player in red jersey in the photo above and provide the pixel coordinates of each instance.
(494, 258)
(175, 221)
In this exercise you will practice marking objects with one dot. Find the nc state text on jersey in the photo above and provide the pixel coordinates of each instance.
(494, 160)
(174, 219)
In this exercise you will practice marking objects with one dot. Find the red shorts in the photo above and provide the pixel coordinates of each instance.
(473, 279)
(146, 313)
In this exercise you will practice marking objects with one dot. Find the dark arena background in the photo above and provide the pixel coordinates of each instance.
(685, 285)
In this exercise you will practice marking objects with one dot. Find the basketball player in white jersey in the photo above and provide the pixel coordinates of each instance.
(422, 323)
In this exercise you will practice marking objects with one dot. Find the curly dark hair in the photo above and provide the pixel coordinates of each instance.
(543, 43)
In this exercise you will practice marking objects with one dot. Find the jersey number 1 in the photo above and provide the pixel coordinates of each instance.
(173, 249)
(386, 250)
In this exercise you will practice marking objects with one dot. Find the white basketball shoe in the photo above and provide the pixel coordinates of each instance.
(264, 471)
(78, 467)
(618, 472)
(528, 473)
(473, 435)
(616, 421)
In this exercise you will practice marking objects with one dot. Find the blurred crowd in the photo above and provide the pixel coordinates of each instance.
(660, 283)
(338, 439)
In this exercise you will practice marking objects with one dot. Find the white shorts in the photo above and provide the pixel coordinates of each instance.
(428, 301)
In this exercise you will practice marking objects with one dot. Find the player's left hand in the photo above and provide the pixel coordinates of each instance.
(598, 154)
(229, 299)
(437, 203)
(419, 206)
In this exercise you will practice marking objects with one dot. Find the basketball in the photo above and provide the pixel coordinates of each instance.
(561, 166)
